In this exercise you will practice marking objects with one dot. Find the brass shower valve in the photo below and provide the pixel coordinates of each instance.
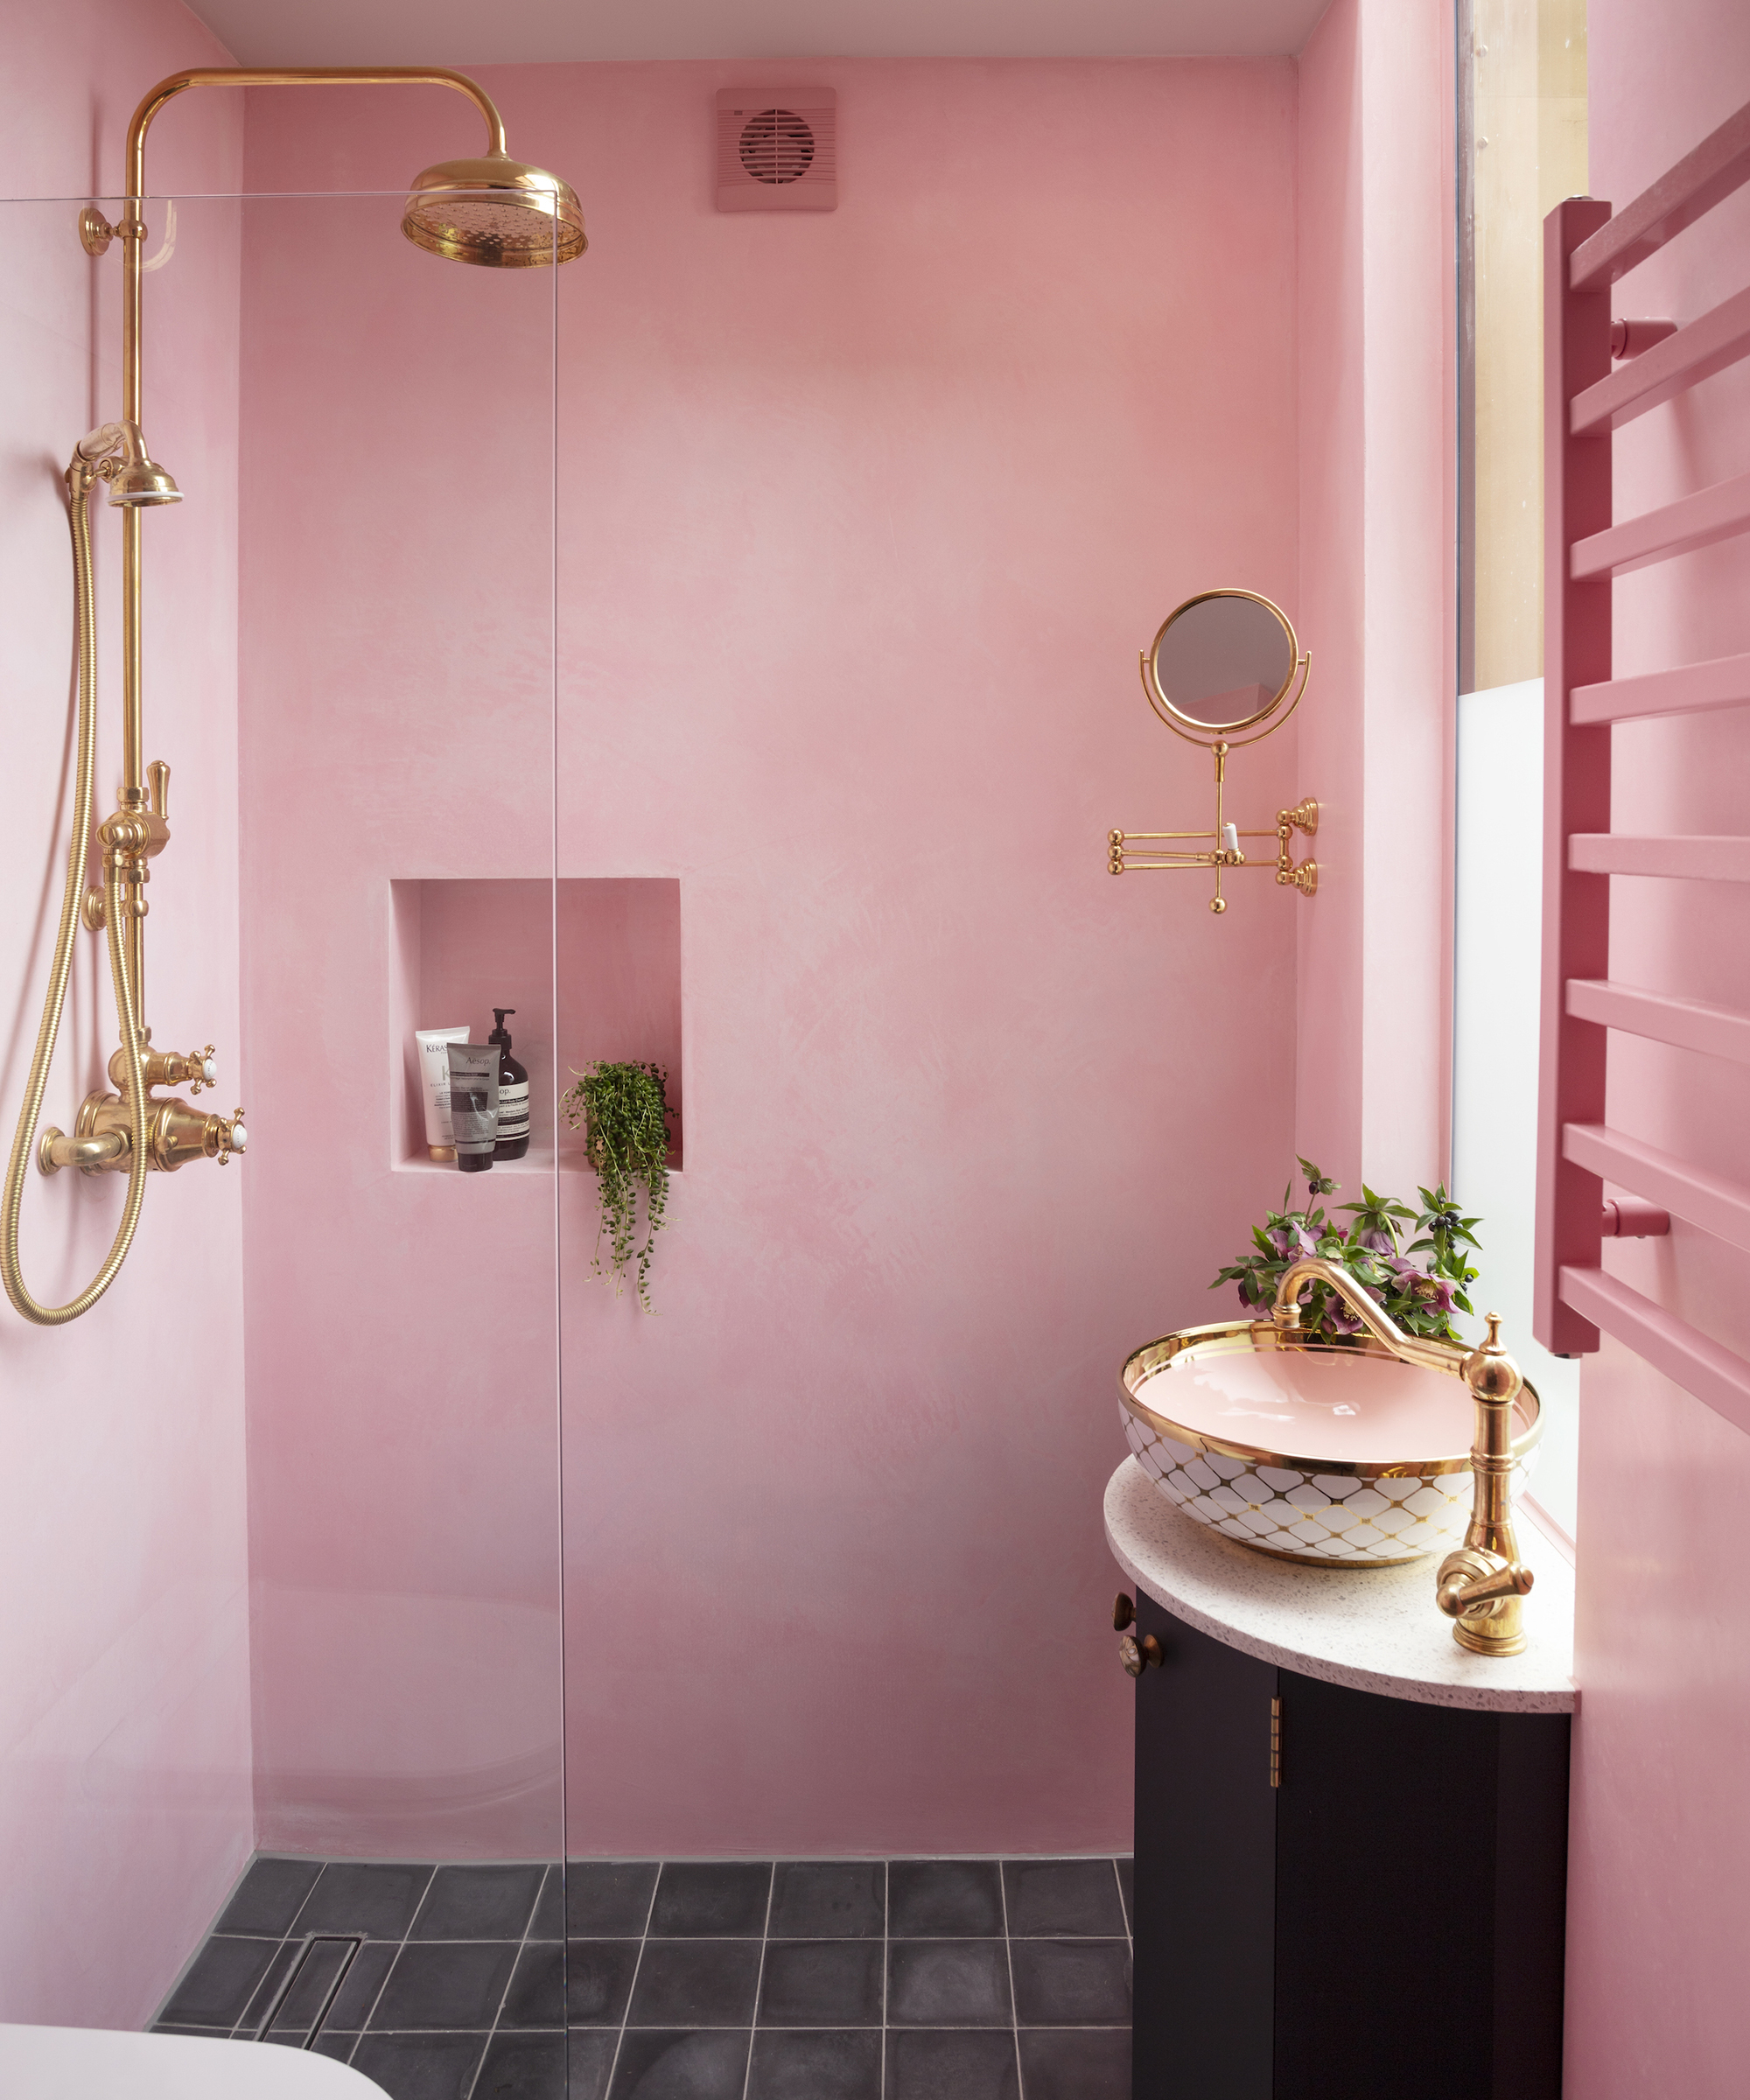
(193, 1068)
(131, 837)
(175, 1134)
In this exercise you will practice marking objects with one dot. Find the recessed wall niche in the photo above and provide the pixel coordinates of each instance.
(459, 947)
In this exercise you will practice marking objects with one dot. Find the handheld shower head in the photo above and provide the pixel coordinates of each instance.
(496, 212)
(118, 452)
(134, 484)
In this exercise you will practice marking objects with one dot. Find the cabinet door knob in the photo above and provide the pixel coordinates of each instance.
(1124, 1612)
(1136, 1655)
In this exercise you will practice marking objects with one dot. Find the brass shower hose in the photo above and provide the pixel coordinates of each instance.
(80, 477)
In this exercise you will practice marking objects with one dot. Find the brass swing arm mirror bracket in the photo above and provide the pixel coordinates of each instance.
(1226, 669)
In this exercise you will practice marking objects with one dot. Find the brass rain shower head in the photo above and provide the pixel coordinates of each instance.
(496, 212)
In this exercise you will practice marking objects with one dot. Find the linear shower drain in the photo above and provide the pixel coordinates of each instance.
(323, 1959)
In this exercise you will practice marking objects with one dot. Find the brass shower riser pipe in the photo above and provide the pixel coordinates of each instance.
(132, 233)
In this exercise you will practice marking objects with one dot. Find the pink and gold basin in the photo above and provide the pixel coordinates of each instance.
(1333, 1453)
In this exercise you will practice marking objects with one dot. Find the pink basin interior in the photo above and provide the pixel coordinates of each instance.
(1365, 1410)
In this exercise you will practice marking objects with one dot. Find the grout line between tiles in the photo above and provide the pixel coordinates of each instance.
(516, 1960)
(886, 1958)
(626, 2011)
(1009, 1957)
(760, 1979)
(366, 2017)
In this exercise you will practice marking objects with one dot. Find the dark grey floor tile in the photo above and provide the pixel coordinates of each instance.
(478, 1903)
(598, 1981)
(445, 1984)
(816, 2067)
(680, 2067)
(330, 2044)
(548, 1921)
(221, 1980)
(951, 2067)
(695, 1984)
(536, 1996)
(608, 1899)
(268, 1897)
(317, 1972)
(589, 2056)
(523, 2067)
(1127, 1881)
(829, 1900)
(421, 2067)
(376, 1900)
(266, 1992)
(1049, 1897)
(359, 1988)
(1072, 1983)
(1077, 2063)
(821, 1983)
(711, 1899)
(944, 1899)
(947, 1983)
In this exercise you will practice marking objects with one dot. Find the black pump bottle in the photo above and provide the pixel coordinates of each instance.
(513, 1093)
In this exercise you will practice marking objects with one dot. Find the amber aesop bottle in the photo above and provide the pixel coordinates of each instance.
(513, 1093)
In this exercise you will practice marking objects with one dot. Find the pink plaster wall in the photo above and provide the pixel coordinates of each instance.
(124, 1745)
(1376, 442)
(396, 724)
(862, 520)
(1333, 440)
(1659, 1902)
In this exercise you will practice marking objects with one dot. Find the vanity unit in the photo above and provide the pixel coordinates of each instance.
(1351, 1835)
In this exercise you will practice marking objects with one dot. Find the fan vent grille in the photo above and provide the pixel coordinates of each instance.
(777, 150)
(777, 146)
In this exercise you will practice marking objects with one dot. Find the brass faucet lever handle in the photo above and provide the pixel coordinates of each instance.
(1468, 1580)
(158, 773)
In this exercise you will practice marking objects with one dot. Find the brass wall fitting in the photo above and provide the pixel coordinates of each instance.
(1479, 1585)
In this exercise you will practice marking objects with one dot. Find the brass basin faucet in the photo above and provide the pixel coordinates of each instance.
(1480, 1584)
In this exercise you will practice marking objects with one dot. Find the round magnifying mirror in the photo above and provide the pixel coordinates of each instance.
(1223, 660)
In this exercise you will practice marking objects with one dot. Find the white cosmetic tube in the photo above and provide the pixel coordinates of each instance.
(434, 1069)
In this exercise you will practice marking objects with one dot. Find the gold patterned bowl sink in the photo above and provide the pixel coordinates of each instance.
(1333, 1453)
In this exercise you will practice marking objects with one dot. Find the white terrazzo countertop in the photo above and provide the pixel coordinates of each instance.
(1377, 1629)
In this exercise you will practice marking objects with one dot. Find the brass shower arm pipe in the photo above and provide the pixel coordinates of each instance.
(300, 76)
(133, 234)
(133, 231)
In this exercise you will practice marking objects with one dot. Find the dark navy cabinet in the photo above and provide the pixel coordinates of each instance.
(1384, 1923)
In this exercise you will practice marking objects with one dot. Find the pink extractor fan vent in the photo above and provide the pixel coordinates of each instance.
(777, 150)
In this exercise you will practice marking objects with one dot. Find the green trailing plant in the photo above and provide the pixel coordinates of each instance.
(1419, 1296)
(623, 1111)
